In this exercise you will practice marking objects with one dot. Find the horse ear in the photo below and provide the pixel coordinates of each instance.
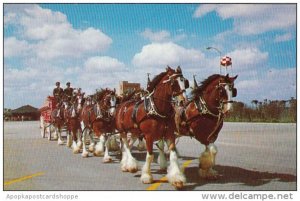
(227, 76)
(235, 77)
(168, 68)
(115, 90)
(178, 70)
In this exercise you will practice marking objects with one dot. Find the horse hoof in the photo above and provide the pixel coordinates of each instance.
(60, 142)
(147, 179)
(107, 160)
(85, 154)
(75, 151)
(132, 170)
(178, 184)
(98, 154)
(124, 169)
(91, 148)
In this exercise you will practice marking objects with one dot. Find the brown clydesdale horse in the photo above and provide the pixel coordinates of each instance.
(154, 117)
(98, 119)
(72, 114)
(202, 117)
(58, 121)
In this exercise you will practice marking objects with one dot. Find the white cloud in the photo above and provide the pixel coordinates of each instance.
(53, 36)
(204, 9)
(248, 57)
(105, 63)
(159, 36)
(159, 55)
(15, 47)
(284, 37)
(163, 36)
(253, 18)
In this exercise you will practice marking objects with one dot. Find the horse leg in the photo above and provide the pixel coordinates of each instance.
(107, 158)
(75, 148)
(48, 130)
(99, 149)
(207, 161)
(175, 176)
(113, 144)
(85, 153)
(55, 137)
(69, 139)
(146, 177)
(141, 146)
(79, 138)
(162, 161)
(92, 141)
(130, 164)
(59, 141)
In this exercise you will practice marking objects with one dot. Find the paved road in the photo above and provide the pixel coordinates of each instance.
(251, 157)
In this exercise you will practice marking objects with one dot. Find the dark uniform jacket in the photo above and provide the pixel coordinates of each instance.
(58, 93)
(68, 93)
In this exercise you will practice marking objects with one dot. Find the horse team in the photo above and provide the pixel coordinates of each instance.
(153, 116)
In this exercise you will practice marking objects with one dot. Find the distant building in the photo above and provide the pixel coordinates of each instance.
(25, 113)
(126, 86)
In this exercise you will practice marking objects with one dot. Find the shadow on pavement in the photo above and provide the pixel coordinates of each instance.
(229, 174)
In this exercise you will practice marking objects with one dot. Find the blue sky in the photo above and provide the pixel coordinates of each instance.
(98, 45)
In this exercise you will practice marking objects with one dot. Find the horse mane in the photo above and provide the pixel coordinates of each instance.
(128, 96)
(155, 81)
(99, 94)
(198, 91)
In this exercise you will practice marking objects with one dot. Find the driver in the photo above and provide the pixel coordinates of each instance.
(58, 92)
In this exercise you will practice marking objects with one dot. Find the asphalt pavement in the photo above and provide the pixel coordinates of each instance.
(251, 156)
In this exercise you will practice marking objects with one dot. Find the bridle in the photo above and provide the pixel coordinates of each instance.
(203, 109)
(172, 78)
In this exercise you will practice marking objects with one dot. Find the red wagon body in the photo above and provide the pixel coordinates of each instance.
(47, 108)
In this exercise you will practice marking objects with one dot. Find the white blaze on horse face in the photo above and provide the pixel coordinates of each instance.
(181, 84)
(112, 109)
(228, 105)
(73, 112)
(79, 103)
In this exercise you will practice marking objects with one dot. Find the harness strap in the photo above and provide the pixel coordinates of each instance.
(202, 109)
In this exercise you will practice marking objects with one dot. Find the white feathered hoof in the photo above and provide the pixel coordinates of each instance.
(76, 150)
(79, 144)
(124, 167)
(92, 147)
(132, 169)
(107, 159)
(131, 165)
(98, 153)
(55, 137)
(60, 142)
(147, 178)
(85, 154)
(69, 143)
(178, 185)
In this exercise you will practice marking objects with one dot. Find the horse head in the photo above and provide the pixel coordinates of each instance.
(218, 91)
(108, 101)
(80, 101)
(178, 84)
